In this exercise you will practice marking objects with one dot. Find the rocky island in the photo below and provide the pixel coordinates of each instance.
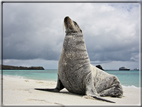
(100, 67)
(9, 67)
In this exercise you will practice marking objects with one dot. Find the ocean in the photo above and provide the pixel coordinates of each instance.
(127, 78)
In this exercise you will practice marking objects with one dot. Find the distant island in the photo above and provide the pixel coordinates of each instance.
(9, 67)
(100, 67)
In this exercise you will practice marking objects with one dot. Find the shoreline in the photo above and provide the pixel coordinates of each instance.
(20, 91)
(20, 77)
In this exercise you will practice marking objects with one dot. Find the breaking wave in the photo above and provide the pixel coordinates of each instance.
(14, 76)
(131, 86)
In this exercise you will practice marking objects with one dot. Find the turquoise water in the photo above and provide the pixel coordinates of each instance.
(33, 74)
(127, 78)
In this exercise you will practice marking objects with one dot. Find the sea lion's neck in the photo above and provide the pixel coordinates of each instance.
(74, 45)
(70, 33)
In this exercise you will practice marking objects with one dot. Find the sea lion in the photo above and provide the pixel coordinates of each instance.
(76, 74)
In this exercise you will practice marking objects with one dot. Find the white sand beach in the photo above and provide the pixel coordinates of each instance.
(18, 91)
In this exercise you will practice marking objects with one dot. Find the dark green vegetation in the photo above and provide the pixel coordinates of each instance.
(9, 67)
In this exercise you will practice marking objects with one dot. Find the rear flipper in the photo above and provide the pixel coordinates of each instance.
(115, 90)
(91, 91)
(57, 89)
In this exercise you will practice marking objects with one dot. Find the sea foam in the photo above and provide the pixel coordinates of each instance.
(14, 76)
(131, 86)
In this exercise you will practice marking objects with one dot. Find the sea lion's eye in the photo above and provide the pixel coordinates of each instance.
(75, 23)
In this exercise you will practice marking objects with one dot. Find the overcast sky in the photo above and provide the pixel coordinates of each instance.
(33, 33)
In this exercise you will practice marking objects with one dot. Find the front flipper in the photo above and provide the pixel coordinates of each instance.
(52, 90)
(57, 89)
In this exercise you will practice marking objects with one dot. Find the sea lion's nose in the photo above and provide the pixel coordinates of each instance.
(66, 18)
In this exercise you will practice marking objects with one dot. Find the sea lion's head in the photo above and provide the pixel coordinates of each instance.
(71, 26)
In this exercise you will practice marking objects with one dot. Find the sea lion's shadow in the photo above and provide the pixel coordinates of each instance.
(69, 93)
(62, 92)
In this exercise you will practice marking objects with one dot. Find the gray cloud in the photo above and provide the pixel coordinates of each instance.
(33, 31)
